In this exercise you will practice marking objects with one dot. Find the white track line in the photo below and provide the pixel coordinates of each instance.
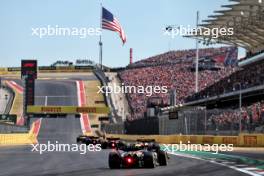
(214, 162)
(46, 100)
(79, 104)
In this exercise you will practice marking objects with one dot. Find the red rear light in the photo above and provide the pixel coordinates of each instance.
(29, 65)
(113, 144)
(129, 160)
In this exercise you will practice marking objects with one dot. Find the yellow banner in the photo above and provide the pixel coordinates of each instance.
(242, 140)
(66, 110)
(3, 69)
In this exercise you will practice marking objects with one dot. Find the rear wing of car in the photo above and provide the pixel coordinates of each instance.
(93, 137)
(81, 136)
(146, 140)
(113, 139)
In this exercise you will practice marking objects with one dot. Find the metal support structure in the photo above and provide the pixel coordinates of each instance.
(197, 57)
(205, 118)
(100, 41)
(240, 106)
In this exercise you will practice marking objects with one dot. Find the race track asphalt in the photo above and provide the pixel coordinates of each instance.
(21, 161)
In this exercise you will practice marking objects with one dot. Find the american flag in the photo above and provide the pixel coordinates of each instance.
(109, 22)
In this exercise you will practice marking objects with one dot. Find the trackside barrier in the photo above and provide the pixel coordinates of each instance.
(243, 140)
(3, 70)
(63, 71)
(45, 71)
(49, 69)
(67, 109)
(20, 138)
(251, 140)
(16, 139)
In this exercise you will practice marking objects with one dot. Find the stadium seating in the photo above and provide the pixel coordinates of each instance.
(172, 69)
(250, 76)
(252, 117)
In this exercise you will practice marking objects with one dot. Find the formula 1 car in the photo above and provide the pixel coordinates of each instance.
(112, 143)
(88, 139)
(143, 154)
(81, 138)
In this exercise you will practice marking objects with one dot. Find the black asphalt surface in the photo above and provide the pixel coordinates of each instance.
(60, 93)
(21, 161)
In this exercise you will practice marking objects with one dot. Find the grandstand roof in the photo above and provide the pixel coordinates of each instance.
(246, 17)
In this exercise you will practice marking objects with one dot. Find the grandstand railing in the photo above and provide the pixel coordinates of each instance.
(225, 95)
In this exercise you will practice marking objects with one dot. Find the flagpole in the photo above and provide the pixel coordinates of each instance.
(101, 53)
(100, 42)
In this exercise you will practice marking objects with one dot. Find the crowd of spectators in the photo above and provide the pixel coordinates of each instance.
(173, 57)
(162, 70)
(247, 77)
(251, 117)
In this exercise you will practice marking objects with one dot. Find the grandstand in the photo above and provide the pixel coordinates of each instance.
(245, 17)
(174, 70)
(230, 89)
(181, 112)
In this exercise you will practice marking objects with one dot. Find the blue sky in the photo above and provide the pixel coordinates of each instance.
(143, 22)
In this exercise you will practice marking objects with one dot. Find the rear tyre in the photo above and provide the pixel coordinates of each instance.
(149, 160)
(162, 158)
(114, 160)
(104, 145)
